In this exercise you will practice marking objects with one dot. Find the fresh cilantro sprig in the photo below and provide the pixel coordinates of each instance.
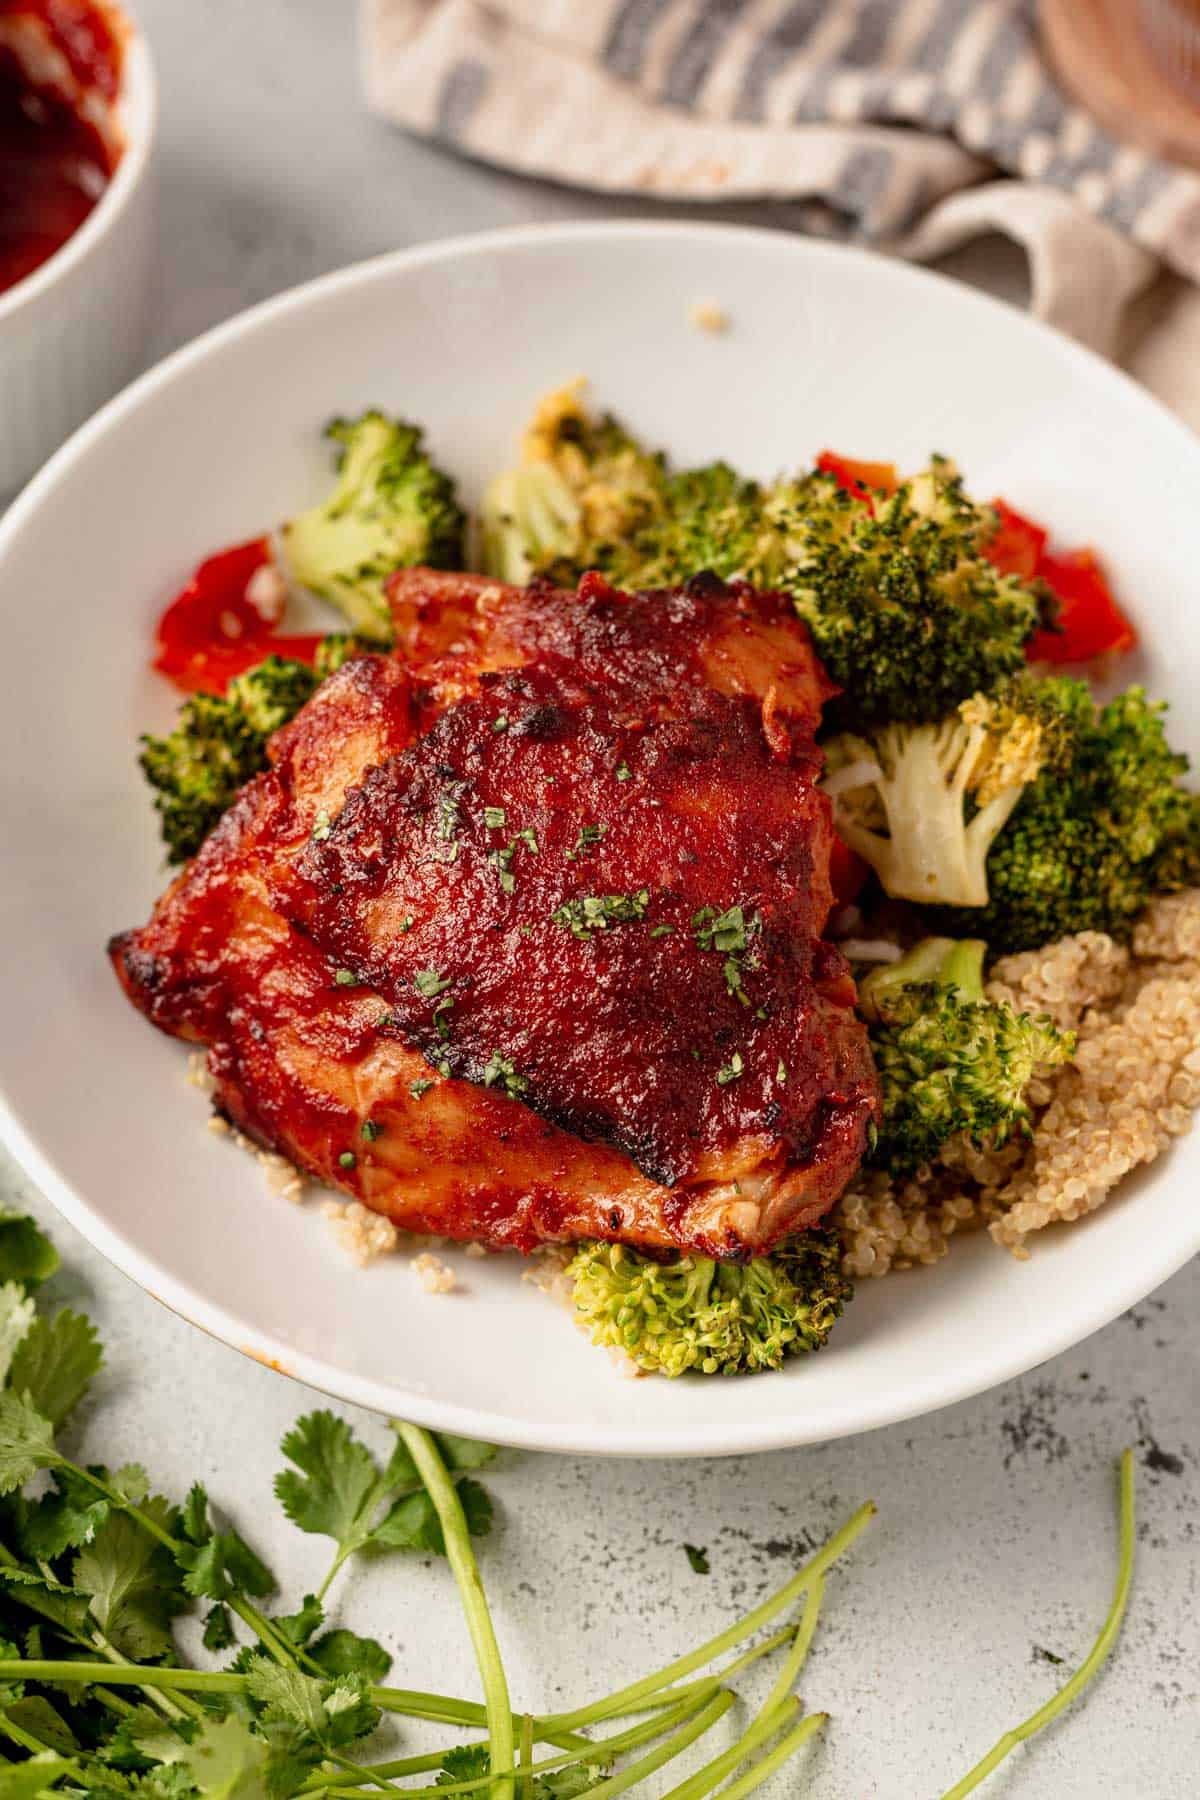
(95, 1568)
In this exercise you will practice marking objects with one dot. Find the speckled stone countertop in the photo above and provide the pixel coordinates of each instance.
(994, 1549)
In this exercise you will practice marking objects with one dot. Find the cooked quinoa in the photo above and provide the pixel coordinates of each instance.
(1131, 1086)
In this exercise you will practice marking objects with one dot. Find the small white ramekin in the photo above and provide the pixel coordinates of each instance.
(70, 333)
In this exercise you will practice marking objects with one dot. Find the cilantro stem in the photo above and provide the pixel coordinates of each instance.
(785, 1681)
(630, 1698)
(678, 1742)
(198, 1681)
(766, 1766)
(705, 1779)
(461, 1557)
(223, 1681)
(525, 1779)
(602, 1750)
(1091, 1664)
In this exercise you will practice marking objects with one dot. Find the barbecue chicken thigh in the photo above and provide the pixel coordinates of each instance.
(520, 936)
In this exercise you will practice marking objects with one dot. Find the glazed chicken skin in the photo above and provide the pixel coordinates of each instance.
(538, 903)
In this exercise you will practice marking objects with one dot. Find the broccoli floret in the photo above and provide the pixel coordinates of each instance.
(390, 509)
(218, 744)
(582, 486)
(339, 647)
(923, 804)
(1090, 841)
(907, 614)
(951, 1063)
(718, 1318)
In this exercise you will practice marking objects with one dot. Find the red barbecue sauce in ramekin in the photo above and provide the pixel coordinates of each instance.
(60, 67)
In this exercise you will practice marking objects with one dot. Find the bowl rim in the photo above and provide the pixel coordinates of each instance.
(137, 112)
(315, 1369)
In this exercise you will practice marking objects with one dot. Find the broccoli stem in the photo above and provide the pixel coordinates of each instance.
(461, 1557)
(639, 1693)
(1091, 1663)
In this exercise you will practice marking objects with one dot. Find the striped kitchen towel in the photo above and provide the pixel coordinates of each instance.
(881, 121)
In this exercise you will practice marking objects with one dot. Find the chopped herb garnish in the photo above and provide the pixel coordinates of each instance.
(731, 1071)
(503, 862)
(321, 828)
(443, 1068)
(448, 817)
(347, 1159)
(662, 931)
(528, 837)
(781, 1072)
(406, 923)
(371, 1129)
(500, 724)
(596, 912)
(501, 1071)
(421, 1086)
(698, 1558)
(624, 772)
(441, 1018)
(345, 978)
(728, 933)
(429, 984)
(589, 837)
(720, 931)
(493, 817)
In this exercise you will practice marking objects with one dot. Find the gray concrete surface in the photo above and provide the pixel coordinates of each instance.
(996, 1537)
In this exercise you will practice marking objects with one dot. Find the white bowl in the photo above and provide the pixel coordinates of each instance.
(826, 346)
(71, 332)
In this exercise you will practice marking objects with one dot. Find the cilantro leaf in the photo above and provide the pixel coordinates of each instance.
(26, 1442)
(566, 1784)
(334, 1713)
(459, 1453)
(298, 1627)
(218, 1563)
(339, 1485)
(225, 1760)
(218, 1629)
(26, 1253)
(698, 1558)
(37, 1774)
(349, 1712)
(35, 1714)
(47, 1597)
(413, 1524)
(132, 1583)
(465, 1762)
(54, 1363)
(291, 1756)
(287, 1691)
(17, 1313)
(65, 1518)
(343, 1652)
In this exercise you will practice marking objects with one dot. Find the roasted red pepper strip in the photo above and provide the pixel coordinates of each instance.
(847, 872)
(858, 478)
(1018, 545)
(218, 626)
(1090, 623)
(210, 671)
